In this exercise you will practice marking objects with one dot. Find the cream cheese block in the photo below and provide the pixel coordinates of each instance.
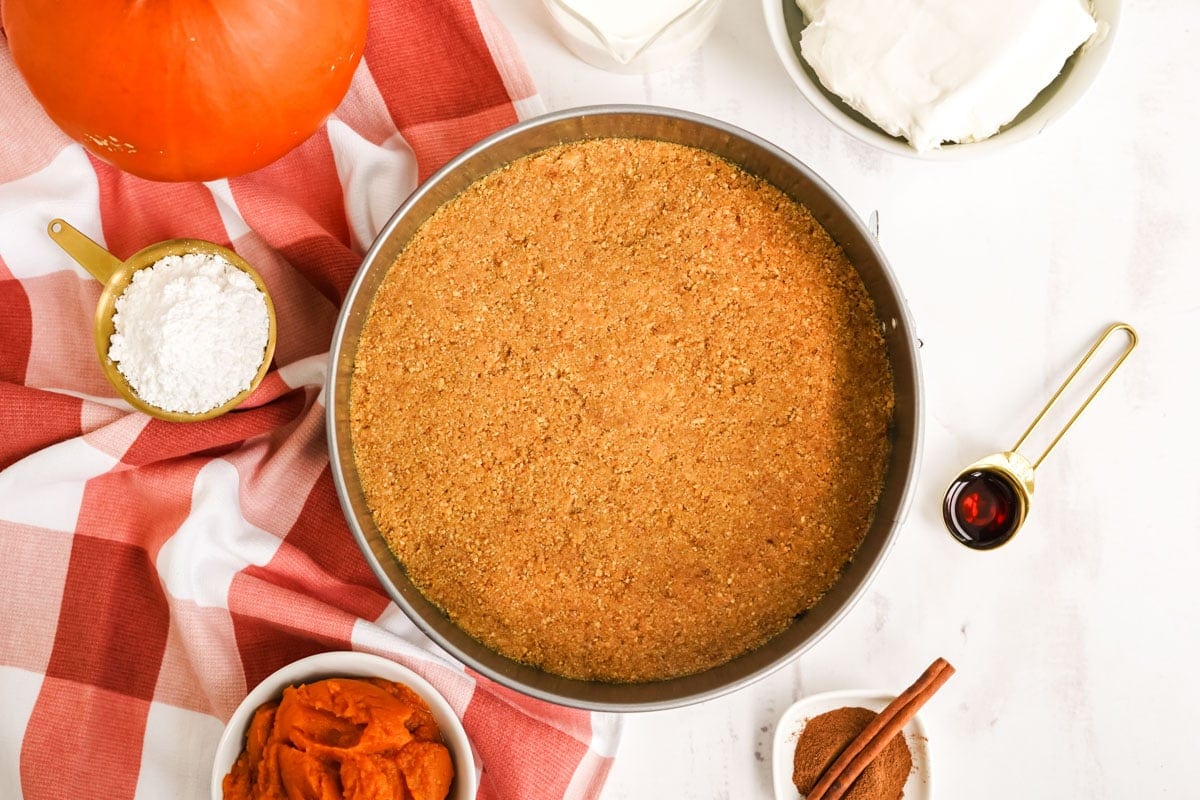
(935, 71)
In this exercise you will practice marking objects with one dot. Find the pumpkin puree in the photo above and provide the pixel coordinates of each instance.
(342, 739)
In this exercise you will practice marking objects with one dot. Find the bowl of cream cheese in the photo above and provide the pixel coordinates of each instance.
(942, 79)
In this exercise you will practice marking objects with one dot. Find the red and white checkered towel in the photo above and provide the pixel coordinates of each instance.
(154, 572)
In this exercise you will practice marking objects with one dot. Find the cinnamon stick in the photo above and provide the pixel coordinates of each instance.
(867, 745)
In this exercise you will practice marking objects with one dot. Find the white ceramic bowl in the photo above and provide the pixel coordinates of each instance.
(783, 750)
(347, 665)
(785, 23)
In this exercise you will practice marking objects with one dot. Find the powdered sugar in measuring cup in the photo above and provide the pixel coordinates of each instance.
(190, 332)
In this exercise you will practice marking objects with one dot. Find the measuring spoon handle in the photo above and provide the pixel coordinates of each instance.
(1124, 354)
(99, 263)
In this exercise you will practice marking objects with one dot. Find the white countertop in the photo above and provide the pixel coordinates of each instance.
(1075, 645)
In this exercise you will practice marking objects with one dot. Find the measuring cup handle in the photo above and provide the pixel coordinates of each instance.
(100, 263)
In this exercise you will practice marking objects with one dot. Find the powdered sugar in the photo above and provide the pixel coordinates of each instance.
(191, 332)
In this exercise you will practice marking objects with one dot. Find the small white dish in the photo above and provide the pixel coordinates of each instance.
(347, 665)
(785, 24)
(920, 783)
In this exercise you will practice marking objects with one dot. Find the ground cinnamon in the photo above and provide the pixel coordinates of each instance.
(826, 736)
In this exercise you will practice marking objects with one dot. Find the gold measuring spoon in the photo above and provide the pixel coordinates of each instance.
(116, 275)
(987, 503)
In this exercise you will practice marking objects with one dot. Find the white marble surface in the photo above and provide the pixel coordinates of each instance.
(1076, 644)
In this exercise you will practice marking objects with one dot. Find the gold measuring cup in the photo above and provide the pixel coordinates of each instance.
(987, 503)
(116, 274)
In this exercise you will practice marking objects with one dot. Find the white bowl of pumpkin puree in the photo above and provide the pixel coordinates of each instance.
(344, 725)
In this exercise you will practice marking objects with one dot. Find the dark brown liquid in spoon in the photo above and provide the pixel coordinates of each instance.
(981, 509)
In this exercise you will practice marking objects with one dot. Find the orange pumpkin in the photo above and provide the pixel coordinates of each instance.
(187, 89)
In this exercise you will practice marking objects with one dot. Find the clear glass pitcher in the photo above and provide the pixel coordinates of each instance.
(633, 35)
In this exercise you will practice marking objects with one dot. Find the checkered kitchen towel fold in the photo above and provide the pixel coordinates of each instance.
(151, 573)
